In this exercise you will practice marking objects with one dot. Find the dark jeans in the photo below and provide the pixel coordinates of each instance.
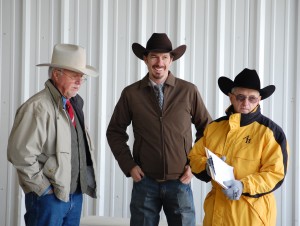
(47, 210)
(149, 196)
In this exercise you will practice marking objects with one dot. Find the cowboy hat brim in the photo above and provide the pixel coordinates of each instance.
(88, 70)
(226, 85)
(141, 51)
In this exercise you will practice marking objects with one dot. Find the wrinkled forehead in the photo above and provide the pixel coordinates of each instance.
(245, 91)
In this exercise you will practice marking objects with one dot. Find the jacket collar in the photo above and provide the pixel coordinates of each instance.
(170, 80)
(56, 95)
(246, 119)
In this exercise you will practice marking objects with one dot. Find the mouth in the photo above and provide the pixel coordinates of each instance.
(244, 110)
(158, 69)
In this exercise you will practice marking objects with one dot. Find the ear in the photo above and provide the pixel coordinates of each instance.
(171, 58)
(231, 96)
(55, 74)
(145, 59)
(259, 99)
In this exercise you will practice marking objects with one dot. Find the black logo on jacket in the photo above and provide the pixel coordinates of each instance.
(247, 139)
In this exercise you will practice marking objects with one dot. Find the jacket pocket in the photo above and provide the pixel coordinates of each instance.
(246, 157)
(50, 167)
(136, 150)
(262, 210)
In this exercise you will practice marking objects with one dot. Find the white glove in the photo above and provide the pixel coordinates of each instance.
(235, 189)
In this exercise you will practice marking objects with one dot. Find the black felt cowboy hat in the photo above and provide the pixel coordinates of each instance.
(158, 42)
(245, 79)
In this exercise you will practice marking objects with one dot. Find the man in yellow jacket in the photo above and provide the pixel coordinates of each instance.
(254, 145)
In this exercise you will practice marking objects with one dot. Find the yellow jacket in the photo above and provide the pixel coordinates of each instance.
(258, 150)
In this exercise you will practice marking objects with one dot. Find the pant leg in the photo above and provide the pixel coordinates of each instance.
(178, 203)
(72, 217)
(44, 210)
(145, 203)
(47, 210)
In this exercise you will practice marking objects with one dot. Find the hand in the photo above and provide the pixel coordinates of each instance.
(207, 169)
(136, 173)
(187, 175)
(235, 189)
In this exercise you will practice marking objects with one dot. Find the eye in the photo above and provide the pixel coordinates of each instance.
(252, 99)
(240, 97)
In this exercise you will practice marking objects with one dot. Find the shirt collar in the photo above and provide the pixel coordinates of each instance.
(64, 101)
(153, 83)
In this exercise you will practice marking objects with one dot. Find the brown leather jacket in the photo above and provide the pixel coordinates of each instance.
(162, 139)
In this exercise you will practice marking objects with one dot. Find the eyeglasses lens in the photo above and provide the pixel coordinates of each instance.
(241, 98)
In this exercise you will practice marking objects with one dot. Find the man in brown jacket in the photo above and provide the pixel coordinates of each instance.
(161, 109)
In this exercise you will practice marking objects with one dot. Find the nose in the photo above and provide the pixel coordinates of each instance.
(245, 102)
(160, 61)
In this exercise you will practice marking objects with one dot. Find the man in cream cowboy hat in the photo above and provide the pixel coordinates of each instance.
(50, 146)
(254, 145)
(161, 121)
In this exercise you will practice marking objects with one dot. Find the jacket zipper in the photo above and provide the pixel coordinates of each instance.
(163, 146)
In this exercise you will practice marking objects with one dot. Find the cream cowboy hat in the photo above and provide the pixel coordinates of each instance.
(71, 57)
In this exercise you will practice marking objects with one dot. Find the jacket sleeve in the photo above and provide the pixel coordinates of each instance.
(24, 146)
(117, 136)
(273, 168)
(197, 157)
(200, 116)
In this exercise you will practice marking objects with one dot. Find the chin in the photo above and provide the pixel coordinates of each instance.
(245, 112)
(158, 76)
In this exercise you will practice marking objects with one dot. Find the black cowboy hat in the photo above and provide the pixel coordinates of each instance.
(247, 79)
(158, 42)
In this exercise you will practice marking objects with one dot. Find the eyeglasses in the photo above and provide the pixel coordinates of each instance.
(78, 77)
(242, 98)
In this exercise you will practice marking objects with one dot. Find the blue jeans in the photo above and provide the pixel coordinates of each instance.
(47, 210)
(149, 196)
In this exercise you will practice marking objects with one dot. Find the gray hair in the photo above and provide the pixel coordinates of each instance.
(50, 71)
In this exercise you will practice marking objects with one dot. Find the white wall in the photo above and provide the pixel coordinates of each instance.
(223, 37)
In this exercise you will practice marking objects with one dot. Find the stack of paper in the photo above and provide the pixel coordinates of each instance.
(220, 171)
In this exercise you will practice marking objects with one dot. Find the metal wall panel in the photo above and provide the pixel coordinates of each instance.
(222, 38)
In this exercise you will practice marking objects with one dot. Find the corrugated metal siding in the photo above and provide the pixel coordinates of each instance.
(222, 37)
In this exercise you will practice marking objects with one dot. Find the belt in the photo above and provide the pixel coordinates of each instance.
(160, 181)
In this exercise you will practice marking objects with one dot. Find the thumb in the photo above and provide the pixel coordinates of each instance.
(141, 172)
(223, 158)
(228, 183)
